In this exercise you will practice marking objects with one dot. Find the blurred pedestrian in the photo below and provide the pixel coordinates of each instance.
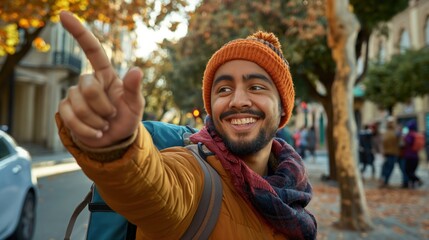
(296, 139)
(377, 144)
(303, 144)
(411, 156)
(286, 135)
(391, 149)
(311, 142)
(366, 154)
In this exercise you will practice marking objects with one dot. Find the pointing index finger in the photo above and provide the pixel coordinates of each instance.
(88, 42)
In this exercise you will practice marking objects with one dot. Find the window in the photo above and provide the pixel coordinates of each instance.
(427, 31)
(4, 150)
(404, 41)
(381, 55)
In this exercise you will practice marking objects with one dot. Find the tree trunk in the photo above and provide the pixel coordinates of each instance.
(332, 175)
(7, 69)
(12, 60)
(343, 27)
(326, 100)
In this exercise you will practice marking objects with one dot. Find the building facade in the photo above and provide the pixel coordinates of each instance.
(39, 83)
(407, 30)
(41, 80)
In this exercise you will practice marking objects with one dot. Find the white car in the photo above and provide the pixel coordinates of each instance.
(18, 191)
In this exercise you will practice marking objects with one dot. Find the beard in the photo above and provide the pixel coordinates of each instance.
(244, 148)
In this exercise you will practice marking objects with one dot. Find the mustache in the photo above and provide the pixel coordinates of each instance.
(246, 111)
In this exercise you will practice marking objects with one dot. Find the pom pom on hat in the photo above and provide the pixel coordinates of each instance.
(263, 49)
(269, 37)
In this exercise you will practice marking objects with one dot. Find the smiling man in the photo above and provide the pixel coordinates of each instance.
(245, 109)
(248, 95)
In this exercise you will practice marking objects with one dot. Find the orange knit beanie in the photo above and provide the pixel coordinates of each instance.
(263, 49)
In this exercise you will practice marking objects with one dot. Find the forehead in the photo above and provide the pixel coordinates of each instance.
(240, 67)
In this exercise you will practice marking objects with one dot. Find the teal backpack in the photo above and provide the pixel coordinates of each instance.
(106, 224)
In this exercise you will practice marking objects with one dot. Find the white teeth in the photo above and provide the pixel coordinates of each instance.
(242, 121)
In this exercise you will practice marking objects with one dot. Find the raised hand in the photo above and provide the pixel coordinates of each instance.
(101, 110)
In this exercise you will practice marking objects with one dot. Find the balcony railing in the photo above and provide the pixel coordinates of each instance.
(67, 60)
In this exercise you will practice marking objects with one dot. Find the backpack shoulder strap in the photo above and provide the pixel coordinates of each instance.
(208, 209)
(76, 213)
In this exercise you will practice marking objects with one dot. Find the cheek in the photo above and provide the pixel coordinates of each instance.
(218, 105)
(267, 104)
(271, 109)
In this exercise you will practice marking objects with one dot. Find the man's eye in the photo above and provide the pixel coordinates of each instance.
(224, 89)
(257, 87)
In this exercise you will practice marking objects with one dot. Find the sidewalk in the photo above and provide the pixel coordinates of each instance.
(42, 157)
(396, 213)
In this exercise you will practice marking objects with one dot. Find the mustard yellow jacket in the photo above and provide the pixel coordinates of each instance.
(159, 191)
(391, 143)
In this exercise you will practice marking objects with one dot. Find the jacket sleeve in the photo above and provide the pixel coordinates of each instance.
(157, 191)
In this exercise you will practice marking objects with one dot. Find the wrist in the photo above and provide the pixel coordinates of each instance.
(107, 154)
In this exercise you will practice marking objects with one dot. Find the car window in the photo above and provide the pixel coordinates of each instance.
(4, 150)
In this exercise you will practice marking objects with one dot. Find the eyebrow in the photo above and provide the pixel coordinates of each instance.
(223, 78)
(257, 76)
(245, 78)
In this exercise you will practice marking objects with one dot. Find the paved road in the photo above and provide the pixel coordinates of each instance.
(59, 194)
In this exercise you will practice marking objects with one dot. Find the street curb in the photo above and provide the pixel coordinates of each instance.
(39, 164)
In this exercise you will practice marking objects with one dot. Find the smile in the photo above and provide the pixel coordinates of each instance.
(241, 121)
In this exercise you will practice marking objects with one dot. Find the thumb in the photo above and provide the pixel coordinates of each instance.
(132, 90)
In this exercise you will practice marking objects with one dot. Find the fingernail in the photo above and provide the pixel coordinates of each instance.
(114, 113)
(99, 134)
(106, 127)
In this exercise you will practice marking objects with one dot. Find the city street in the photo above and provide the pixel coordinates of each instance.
(59, 194)
(345, 81)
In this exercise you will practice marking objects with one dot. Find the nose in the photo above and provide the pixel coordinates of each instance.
(239, 99)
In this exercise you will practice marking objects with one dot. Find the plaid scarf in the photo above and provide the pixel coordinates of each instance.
(279, 198)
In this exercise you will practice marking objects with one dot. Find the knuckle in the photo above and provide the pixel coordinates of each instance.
(89, 86)
(85, 77)
(90, 91)
(80, 111)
